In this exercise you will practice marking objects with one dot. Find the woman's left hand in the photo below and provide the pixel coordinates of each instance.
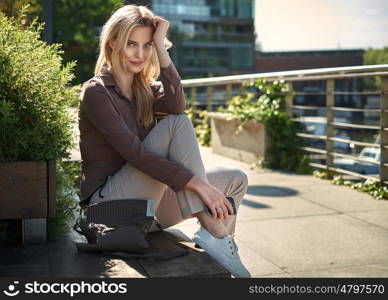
(161, 26)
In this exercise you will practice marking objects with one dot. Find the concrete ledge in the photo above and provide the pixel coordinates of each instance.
(61, 259)
(248, 145)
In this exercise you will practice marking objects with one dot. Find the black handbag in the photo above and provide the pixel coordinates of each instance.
(120, 226)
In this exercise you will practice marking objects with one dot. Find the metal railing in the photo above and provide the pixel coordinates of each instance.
(329, 75)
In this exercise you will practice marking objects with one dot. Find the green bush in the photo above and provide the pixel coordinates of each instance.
(374, 188)
(67, 177)
(201, 123)
(34, 121)
(283, 151)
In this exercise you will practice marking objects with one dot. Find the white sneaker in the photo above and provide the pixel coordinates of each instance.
(223, 250)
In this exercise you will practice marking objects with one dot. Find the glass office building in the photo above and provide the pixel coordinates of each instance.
(211, 37)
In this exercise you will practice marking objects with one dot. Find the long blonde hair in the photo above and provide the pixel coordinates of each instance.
(118, 28)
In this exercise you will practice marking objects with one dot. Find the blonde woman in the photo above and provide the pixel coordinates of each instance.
(126, 155)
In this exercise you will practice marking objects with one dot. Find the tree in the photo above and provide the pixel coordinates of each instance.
(11, 7)
(77, 25)
(374, 57)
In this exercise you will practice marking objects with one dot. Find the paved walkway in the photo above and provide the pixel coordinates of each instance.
(300, 226)
(288, 226)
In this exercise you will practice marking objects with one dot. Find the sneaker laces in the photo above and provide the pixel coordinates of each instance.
(233, 244)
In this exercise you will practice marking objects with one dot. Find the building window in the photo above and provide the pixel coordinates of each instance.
(244, 9)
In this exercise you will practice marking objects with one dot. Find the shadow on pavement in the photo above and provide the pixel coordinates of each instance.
(270, 191)
(254, 204)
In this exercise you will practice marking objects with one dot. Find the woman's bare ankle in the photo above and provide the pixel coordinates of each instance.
(215, 226)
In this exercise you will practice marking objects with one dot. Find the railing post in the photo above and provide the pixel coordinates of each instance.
(209, 98)
(289, 98)
(329, 121)
(228, 91)
(193, 95)
(383, 133)
(241, 89)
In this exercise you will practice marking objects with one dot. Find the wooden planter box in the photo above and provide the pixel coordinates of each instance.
(28, 192)
(248, 146)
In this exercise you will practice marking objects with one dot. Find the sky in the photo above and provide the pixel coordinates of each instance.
(286, 25)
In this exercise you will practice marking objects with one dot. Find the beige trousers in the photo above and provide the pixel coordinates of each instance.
(174, 138)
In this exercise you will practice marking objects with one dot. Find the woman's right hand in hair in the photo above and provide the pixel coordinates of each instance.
(211, 196)
(161, 26)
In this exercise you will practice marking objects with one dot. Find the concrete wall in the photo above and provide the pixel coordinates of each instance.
(248, 146)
